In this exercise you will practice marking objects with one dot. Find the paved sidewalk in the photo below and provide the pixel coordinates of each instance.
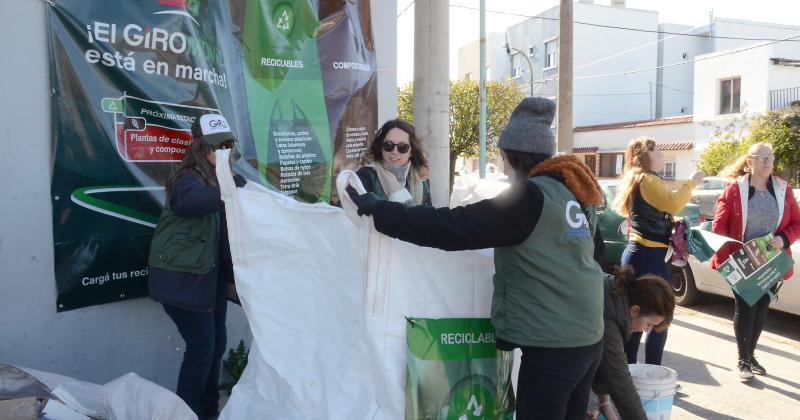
(702, 349)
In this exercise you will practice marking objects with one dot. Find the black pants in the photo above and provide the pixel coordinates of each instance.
(205, 336)
(748, 322)
(555, 383)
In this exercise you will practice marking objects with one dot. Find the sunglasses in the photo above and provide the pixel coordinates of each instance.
(225, 145)
(388, 146)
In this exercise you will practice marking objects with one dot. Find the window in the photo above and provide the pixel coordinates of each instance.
(683, 109)
(611, 164)
(669, 170)
(590, 161)
(468, 76)
(551, 53)
(515, 72)
(530, 51)
(730, 95)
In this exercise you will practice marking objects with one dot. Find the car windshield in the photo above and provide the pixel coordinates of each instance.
(613, 190)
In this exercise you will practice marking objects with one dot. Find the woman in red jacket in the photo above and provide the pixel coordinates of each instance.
(754, 204)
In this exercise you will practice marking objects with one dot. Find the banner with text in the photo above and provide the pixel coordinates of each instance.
(454, 371)
(296, 80)
(755, 269)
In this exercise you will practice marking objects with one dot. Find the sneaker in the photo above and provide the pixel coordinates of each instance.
(745, 373)
(756, 367)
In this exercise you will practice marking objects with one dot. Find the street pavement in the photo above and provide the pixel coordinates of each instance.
(701, 347)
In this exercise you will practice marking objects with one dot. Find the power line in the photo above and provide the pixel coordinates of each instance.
(404, 10)
(676, 90)
(626, 28)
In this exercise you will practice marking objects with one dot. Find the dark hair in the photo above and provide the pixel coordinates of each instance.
(524, 162)
(419, 160)
(650, 292)
(194, 159)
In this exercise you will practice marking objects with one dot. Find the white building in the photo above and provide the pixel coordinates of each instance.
(497, 65)
(729, 87)
(597, 50)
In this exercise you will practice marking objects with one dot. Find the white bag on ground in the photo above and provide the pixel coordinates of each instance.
(327, 299)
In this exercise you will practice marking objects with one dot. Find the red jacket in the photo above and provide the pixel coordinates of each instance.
(730, 216)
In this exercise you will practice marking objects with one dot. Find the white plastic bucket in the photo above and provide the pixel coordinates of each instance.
(656, 387)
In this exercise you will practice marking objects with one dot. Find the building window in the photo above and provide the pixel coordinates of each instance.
(591, 162)
(551, 53)
(730, 95)
(516, 73)
(468, 76)
(611, 164)
(669, 170)
(530, 51)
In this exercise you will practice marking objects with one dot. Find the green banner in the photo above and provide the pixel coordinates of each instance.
(295, 79)
(755, 269)
(455, 371)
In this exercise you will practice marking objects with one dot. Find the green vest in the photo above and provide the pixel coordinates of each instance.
(185, 244)
(548, 290)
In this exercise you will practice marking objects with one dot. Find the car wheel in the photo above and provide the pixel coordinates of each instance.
(683, 286)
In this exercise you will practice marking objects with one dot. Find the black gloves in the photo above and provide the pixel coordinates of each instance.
(365, 203)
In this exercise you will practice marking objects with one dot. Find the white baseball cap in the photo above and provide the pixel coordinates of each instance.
(213, 128)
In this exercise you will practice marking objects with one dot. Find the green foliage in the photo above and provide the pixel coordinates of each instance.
(234, 365)
(721, 152)
(781, 129)
(501, 99)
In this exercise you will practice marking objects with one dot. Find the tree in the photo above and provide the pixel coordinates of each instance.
(501, 99)
(781, 129)
(728, 142)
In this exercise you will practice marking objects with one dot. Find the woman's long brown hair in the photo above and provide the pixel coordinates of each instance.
(637, 164)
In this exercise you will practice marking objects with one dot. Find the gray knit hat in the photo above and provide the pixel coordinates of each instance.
(528, 129)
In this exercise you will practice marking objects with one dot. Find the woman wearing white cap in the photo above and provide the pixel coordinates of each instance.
(190, 263)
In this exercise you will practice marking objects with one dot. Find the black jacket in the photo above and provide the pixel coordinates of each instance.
(196, 292)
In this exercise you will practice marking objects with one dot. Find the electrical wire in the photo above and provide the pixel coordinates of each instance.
(404, 10)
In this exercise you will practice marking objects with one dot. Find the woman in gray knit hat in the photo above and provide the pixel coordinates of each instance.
(548, 292)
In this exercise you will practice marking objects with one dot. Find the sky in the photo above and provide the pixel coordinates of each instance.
(686, 12)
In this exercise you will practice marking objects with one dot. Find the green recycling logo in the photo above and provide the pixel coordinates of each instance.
(471, 402)
(283, 18)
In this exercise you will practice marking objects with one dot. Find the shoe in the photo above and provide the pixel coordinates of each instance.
(745, 373)
(756, 367)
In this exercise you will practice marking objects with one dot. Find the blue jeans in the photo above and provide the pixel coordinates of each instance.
(205, 337)
(646, 260)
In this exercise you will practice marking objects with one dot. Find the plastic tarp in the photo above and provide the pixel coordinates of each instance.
(326, 297)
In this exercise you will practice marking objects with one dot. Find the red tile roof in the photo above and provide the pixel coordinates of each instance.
(634, 124)
(584, 150)
(686, 145)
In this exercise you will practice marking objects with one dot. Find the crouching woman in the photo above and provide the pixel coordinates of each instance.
(631, 304)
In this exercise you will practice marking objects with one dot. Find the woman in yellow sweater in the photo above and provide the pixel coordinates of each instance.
(649, 204)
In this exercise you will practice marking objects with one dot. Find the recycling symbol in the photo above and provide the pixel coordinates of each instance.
(472, 402)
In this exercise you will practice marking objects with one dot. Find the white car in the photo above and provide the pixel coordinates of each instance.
(696, 278)
(706, 194)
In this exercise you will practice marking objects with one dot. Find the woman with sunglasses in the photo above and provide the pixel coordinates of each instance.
(190, 264)
(649, 204)
(755, 203)
(395, 167)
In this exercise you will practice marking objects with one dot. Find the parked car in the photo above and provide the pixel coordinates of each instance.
(697, 278)
(706, 194)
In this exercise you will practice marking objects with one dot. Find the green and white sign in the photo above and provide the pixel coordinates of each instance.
(295, 79)
(455, 371)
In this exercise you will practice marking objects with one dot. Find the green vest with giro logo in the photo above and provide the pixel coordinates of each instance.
(548, 290)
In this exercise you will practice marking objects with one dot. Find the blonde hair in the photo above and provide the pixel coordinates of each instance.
(739, 166)
(637, 164)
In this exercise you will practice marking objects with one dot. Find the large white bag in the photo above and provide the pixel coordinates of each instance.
(327, 298)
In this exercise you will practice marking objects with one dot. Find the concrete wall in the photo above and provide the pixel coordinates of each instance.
(675, 84)
(723, 27)
(103, 342)
(597, 51)
(497, 60)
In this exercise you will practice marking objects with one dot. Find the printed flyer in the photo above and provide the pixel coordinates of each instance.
(753, 270)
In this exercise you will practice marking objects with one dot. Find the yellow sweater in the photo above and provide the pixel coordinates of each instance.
(656, 193)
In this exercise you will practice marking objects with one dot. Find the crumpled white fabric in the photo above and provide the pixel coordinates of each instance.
(326, 297)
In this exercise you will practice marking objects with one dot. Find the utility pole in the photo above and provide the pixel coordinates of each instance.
(432, 91)
(530, 64)
(482, 90)
(564, 94)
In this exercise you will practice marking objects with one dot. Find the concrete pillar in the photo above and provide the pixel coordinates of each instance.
(432, 91)
(564, 95)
